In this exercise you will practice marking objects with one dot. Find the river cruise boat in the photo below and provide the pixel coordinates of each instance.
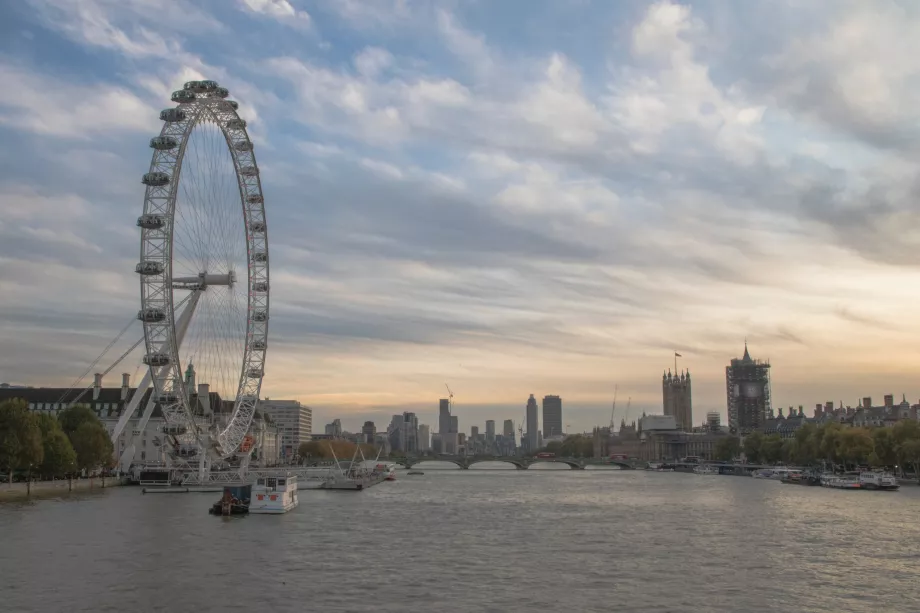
(274, 495)
(777, 473)
(705, 469)
(877, 480)
(841, 482)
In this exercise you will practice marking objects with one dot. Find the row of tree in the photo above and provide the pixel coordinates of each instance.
(52, 446)
(323, 450)
(574, 446)
(897, 445)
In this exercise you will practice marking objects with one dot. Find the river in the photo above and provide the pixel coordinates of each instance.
(475, 540)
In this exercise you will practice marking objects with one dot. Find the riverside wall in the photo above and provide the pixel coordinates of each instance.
(53, 489)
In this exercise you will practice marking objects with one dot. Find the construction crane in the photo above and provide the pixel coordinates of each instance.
(450, 398)
(628, 402)
(614, 409)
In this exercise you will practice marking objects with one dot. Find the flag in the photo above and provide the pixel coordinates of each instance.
(677, 355)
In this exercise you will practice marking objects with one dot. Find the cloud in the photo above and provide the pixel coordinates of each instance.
(282, 10)
(554, 204)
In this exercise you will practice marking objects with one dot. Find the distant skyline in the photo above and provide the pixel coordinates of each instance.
(512, 198)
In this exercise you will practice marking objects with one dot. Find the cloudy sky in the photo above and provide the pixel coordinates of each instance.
(511, 197)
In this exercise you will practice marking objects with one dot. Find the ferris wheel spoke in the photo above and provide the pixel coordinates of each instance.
(203, 190)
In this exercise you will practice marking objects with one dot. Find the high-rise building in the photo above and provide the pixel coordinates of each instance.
(676, 394)
(490, 431)
(533, 424)
(294, 421)
(474, 431)
(410, 430)
(447, 427)
(508, 429)
(444, 416)
(368, 432)
(747, 383)
(552, 416)
(424, 438)
(713, 421)
(334, 429)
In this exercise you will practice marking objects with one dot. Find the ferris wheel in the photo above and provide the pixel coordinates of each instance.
(204, 271)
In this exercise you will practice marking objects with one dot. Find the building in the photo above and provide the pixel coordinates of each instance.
(368, 432)
(424, 439)
(713, 421)
(447, 428)
(676, 396)
(490, 431)
(533, 425)
(294, 421)
(474, 431)
(334, 429)
(747, 383)
(552, 416)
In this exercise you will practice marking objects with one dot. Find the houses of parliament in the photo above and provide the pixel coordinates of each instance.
(677, 398)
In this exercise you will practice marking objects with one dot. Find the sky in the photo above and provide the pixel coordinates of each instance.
(507, 197)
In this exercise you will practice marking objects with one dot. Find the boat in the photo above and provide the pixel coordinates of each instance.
(357, 476)
(796, 477)
(389, 470)
(415, 472)
(705, 469)
(840, 483)
(274, 495)
(776, 474)
(659, 467)
(878, 480)
(234, 501)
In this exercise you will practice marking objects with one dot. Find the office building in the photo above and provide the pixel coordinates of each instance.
(424, 438)
(294, 421)
(676, 396)
(747, 383)
(533, 425)
(713, 421)
(334, 430)
(508, 433)
(552, 416)
(368, 432)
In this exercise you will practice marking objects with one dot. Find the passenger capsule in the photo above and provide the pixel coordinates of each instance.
(230, 104)
(167, 398)
(156, 359)
(220, 92)
(163, 143)
(182, 96)
(151, 315)
(257, 226)
(249, 171)
(172, 115)
(243, 146)
(254, 372)
(149, 267)
(200, 87)
(175, 429)
(259, 316)
(255, 199)
(259, 256)
(236, 124)
(258, 345)
(155, 179)
(150, 222)
(260, 286)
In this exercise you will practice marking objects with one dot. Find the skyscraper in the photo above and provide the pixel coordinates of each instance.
(444, 416)
(490, 431)
(424, 438)
(552, 416)
(676, 395)
(368, 432)
(747, 383)
(508, 432)
(533, 424)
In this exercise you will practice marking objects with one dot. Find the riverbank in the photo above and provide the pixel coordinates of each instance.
(52, 489)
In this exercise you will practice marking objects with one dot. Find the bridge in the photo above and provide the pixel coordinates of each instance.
(519, 462)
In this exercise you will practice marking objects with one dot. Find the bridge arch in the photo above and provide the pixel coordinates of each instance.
(507, 460)
(574, 464)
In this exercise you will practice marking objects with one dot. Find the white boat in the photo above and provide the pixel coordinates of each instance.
(776, 474)
(840, 483)
(358, 476)
(878, 480)
(705, 469)
(274, 495)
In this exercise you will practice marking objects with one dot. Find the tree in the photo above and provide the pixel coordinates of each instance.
(59, 456)
(789, 451)
(20, 437)
(854, 445)
(93, 446)
(828, 447)
(74, 416)
(727, 449)
(884, 444)
(806, 442)
(771, 448)
(752, 444)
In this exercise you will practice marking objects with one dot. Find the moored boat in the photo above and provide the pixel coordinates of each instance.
(274, 495)
(878, 480)
(234, 501)
(705, 469)
(840, 483)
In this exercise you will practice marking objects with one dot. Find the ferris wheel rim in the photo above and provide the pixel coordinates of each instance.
(199, 102)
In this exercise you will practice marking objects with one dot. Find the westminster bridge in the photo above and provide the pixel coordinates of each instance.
(519, 462)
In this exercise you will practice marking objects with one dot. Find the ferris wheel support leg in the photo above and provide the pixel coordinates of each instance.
(131, 446)
(129, 411)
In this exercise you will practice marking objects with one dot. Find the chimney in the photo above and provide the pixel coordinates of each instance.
(204, 397)
(97, 385)
(125, 384)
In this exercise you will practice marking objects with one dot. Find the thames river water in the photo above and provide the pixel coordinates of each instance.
(475, 540)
